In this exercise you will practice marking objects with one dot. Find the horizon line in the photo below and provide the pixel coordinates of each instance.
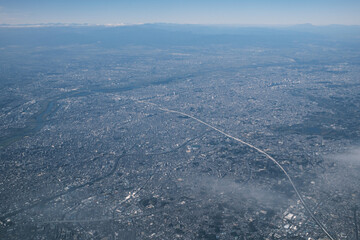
(60, 24)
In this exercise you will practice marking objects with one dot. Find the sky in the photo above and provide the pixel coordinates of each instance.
(240, 12)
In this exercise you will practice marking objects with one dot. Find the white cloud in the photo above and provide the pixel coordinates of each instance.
(343, 175)
(351, 157)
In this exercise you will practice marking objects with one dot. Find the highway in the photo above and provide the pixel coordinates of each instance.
(355, 225)
(255, 148)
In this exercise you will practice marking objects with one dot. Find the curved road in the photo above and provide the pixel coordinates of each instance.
(253, 147)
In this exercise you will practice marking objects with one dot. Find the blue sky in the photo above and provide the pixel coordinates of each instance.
(317, 12)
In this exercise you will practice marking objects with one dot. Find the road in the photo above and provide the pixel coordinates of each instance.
(255, 148)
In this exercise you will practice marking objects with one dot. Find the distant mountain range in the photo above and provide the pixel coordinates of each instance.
(163, 34)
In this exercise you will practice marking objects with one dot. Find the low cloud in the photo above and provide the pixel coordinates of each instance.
(344, 175)
(337, 190)
(351, 157)
(228, 190)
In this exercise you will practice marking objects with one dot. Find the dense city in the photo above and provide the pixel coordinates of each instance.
(93, 144)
